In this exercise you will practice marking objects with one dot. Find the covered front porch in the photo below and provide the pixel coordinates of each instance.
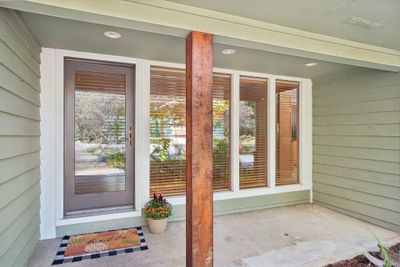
(278, 145)
(299, 235)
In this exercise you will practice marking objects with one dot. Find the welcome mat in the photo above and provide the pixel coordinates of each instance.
(96, 245)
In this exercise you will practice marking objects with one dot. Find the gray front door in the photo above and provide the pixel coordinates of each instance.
(99, 141)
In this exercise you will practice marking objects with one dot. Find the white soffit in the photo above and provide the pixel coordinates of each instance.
(82, 36)
(371, 22)
(175, 19)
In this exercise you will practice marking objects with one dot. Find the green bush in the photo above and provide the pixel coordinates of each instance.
(247, 144)
(115, 159)
(93, 149)
(220, 146)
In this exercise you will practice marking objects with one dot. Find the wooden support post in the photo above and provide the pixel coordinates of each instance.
(199, 183)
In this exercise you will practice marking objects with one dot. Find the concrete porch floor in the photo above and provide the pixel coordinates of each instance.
(301, 235)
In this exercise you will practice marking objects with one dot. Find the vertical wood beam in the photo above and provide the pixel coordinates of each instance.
(199, 183)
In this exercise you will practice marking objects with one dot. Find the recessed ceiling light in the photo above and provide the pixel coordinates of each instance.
(228, 51)
(112, 35)
(311, 64)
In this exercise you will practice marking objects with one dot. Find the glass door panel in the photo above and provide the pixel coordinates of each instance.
(99, 132)
(98, 136)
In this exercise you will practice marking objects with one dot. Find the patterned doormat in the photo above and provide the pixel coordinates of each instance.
(96, 245)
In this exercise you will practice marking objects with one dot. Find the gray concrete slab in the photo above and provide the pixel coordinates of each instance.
(302, 235)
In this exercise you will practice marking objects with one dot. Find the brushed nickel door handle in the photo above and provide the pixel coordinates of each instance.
(130, 135)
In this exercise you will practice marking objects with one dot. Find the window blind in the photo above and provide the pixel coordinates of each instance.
(99, 132)
(287, 132)
(100, 82)
(221, 133)
(168, 131)
(253, 132)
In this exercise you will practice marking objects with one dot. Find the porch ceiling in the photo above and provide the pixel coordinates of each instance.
(68, 34)
(165, 17)
(320, 16)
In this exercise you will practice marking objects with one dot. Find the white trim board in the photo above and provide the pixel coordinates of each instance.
(52, 139)
(48, 167)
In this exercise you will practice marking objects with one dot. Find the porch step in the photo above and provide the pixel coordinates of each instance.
(308, 253)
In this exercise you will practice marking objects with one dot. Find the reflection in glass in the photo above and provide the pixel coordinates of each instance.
(99, 132)
(253, 132)
(168, 131)
(221, 150)
(287, 159)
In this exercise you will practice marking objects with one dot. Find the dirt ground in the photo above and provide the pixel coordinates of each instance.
(361, 260)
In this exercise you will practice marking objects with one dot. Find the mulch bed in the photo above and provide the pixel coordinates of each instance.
(361, 260)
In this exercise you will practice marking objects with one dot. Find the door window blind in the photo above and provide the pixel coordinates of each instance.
(253, 132)
(99, 132)
(168, 131)
(287, 132)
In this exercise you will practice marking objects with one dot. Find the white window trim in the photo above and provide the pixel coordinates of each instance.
(52, 138)
(305, 137)
(271, 133)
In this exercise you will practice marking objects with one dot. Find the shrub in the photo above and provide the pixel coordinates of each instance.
(116, 159)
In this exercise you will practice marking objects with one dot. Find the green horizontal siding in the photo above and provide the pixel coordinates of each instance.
(379, 105)
(13, 146)
(19, 141)
(358, 153)
(366, 176)
(13, 104)
(356, 145)
(382, 142)
(354, 163)
(13, 84)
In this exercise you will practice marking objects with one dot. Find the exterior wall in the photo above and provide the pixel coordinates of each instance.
(356, 145)
(221, 207)
(19, 141)
(53, 221)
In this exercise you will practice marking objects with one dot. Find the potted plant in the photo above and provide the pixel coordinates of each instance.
(157, 211)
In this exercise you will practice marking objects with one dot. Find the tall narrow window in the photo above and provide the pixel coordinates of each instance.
(168, 131)
(253, 132)
(287, 132)
(221, 151)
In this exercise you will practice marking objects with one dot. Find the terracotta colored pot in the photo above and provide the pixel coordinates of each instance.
(157, 226)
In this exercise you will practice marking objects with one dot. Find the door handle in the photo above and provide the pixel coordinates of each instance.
(130, 132)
